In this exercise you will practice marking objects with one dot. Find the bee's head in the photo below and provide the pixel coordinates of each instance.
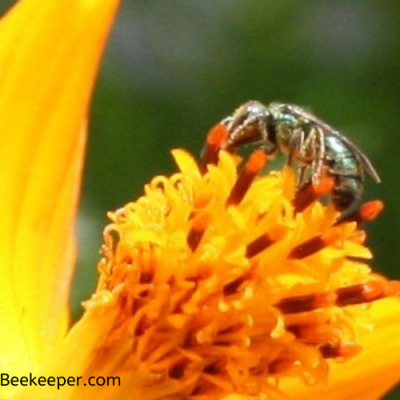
(249, 124)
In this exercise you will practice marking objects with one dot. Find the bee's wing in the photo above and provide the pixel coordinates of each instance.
(328, 130)
(369, 168)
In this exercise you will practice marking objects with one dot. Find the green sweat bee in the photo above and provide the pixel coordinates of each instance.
(312, 144)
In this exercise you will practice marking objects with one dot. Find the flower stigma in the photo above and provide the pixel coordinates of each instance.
(226, 280)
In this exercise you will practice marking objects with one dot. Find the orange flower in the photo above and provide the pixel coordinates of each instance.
(214, 283)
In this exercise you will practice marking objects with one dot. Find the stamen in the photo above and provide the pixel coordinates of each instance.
(340, 350)
(367, 212)
(366, 292)
(280, 366)
(216, 140)
(233, 286)
(258, 245)
(266, 240)
(177, 370)
(307, 248)
(315, 332)
(308, 302)
(197, 231)
(253, 166)
(315, 244)
(370, 210)
(309, 193)
(355, 294)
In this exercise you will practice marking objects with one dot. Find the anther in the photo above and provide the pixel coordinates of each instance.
(280, 366)
(350, 295)
(212, 369)
(197, 231)
(266, 240)
(366, 292)
(367, 212)
(370, 210)
(216, 140)
(309, 193)
(233, 286)
(253, 166)
(258, 245)
(340, 350)
(308, 302)
(315, 244)
(177, 371)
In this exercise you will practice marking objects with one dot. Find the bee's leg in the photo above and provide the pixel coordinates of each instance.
(301, 180)
(318, 154)
(227, 122)
(251, 130)
(296, 148)
(310, 152)
(297, 152)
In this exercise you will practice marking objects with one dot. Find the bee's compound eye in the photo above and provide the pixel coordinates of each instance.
(256, 108)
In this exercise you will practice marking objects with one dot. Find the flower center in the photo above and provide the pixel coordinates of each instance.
(228, 282)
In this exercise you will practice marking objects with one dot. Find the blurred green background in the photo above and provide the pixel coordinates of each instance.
(172, 69)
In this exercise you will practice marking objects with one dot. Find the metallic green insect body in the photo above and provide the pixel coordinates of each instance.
(313, 145)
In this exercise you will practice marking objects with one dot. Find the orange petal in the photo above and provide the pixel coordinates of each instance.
(49, 55)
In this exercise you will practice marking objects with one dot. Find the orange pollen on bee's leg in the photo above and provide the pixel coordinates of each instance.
(309, 193)
(216, 140)
(254, 165)
(264, 241)
(197, 230)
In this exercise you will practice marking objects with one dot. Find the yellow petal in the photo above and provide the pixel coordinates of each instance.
(49, 55)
